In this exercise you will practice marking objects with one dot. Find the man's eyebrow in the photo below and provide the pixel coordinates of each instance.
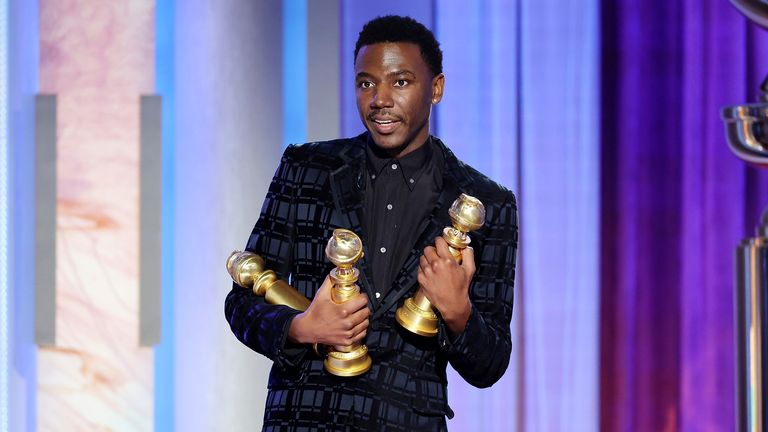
(401, 72)
(363, 75)
(398, 72)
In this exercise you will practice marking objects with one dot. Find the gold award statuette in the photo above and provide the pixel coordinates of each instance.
(467, 214)
(248, 270)
(344, 249)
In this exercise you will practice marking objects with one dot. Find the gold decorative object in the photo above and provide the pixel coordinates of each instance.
(467, 214)
(248, 270)
(344, 249)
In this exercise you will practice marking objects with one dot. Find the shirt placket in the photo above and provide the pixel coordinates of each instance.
(390, 223)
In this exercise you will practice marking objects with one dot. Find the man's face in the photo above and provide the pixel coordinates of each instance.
(395, 92)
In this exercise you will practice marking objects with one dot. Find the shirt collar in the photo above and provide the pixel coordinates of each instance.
(411, 166)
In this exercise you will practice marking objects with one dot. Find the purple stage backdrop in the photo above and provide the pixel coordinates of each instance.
(674, 203)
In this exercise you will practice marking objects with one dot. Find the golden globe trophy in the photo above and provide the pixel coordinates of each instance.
(344, 249)
(746, 129)
(467, 214)
(248, 270)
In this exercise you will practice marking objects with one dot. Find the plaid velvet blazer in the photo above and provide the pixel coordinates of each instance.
(319, 187)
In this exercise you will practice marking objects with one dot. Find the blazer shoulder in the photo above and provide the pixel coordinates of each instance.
(486, 188)
(472, 181)
(330, 153)
(475, 183)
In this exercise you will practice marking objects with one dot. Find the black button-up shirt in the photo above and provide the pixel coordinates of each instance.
(399, 196)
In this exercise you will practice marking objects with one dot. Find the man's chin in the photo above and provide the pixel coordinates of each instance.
(390, 143)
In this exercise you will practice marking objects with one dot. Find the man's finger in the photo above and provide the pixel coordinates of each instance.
(360, 336)
(430, 254)
(426, 269)
(325, 288)
(360, 327)
(442, 248)
(421, 278)
(358, 302)
(423, 263)
(468, 260)
(360, 316)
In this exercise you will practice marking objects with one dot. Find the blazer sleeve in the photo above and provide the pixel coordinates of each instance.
(259, 325)
(480, 354)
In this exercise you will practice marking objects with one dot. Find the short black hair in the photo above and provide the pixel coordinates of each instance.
(394, 28)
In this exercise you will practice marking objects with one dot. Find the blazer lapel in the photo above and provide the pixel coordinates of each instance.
(348, 188)
(455, 181)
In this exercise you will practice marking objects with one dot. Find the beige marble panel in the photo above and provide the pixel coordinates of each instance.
(98, 57)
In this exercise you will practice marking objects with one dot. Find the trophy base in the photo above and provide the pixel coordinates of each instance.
(417, 320)
(347, 364)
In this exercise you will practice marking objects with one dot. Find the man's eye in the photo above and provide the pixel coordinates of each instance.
(365, 84)
(401, 83)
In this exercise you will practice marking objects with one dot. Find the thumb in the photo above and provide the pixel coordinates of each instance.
(468, 260)
(325, 288)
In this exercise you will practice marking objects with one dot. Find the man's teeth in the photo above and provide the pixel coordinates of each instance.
(383, 121)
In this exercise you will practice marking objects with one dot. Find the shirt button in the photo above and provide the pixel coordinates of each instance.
(394, 166)
(389, 206)
(373, 176)
(383, 250)
(410, 180)
(378, 295)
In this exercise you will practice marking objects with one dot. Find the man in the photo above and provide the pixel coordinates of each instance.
(393, 186)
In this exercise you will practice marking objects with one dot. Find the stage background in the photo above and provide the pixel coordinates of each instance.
(603, 118)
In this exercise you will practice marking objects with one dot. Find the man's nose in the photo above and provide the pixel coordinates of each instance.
(382, 98)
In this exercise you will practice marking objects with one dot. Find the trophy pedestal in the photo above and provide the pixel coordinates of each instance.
(346, 364)
(416, 315)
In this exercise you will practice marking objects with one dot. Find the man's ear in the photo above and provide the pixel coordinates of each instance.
(438, 83)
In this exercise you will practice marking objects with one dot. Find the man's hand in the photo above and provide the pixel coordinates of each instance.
(328, 323)
(446, 283)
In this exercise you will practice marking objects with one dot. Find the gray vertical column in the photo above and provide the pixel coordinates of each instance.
(323, 70)
(150, 220)
(45, 219)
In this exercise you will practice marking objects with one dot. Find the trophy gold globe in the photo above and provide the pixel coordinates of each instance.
(417, 314)
(344, 249)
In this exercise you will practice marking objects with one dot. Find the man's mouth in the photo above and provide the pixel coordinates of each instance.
(385, 126)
